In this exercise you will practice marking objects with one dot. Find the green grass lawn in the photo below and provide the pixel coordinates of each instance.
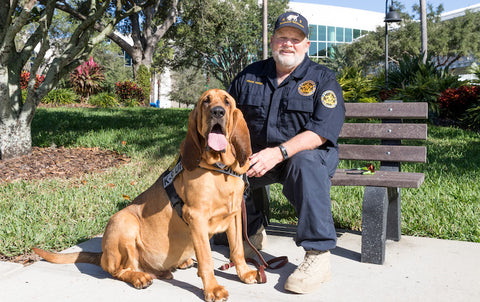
(58, 213)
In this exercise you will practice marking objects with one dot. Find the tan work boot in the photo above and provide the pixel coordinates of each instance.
(258, 240)
(311, 273)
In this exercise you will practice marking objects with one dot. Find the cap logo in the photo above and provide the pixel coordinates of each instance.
(329, 99)
(307, 88)
(292, 19)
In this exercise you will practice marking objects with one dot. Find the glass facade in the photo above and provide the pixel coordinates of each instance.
(323, 38)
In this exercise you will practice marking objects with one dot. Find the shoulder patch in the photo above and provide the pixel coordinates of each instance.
(307, 88)
(329, 99)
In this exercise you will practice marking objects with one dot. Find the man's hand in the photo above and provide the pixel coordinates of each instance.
(261, 162)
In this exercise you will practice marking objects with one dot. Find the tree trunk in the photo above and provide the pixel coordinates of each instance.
(423, 22)
(265, 29)
(16, 138)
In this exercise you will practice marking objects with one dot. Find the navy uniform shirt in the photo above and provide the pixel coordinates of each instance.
(310, 98)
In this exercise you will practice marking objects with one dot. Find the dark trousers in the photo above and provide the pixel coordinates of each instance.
(306, 184)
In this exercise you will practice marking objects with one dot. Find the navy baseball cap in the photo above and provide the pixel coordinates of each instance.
(292, 19)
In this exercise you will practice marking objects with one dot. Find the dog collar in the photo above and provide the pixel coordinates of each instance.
(222, 168)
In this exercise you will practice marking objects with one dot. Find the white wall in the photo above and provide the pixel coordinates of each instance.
(320, 14)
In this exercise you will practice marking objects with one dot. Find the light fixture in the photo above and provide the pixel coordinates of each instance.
(392, 16)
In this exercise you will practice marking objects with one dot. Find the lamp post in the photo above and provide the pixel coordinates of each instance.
(391, 17)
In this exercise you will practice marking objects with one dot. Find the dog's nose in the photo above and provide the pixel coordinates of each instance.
(218, 111)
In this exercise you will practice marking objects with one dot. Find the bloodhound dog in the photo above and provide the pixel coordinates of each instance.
(149, 238)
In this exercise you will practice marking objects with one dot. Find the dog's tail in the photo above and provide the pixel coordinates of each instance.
(79, 257)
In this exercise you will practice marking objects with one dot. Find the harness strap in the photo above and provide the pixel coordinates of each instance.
(221, 168)
(167, 179)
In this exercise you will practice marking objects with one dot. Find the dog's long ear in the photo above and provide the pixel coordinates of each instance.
(190, 149)
(240, 138)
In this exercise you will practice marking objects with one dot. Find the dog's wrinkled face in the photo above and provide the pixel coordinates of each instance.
(215, 110)
(216, 132)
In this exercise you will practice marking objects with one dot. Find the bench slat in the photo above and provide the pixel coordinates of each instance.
(414, 110)
(416, 154)
(379, 179)
(384, 131)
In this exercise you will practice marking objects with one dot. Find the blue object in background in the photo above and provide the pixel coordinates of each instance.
(156, 104)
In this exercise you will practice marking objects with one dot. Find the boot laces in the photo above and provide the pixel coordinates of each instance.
(309, 260)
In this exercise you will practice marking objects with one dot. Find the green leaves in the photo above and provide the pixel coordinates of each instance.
(222, 37)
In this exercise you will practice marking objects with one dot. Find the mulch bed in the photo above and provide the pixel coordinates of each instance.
(59, 162)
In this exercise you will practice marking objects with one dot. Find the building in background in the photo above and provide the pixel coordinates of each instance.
(334, 25)
(459, 12)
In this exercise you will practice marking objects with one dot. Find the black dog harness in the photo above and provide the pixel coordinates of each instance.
(172, 172)
(167, 179)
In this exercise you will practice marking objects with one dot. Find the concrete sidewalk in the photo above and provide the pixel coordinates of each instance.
(416, 269)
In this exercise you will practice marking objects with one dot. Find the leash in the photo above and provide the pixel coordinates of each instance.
(262, 278)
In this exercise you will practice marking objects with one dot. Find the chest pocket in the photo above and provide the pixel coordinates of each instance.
(303, 104)
(295, 115)
(252, 105)
(251, 102)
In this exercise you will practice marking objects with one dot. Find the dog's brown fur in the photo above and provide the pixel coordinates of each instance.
(148, 239)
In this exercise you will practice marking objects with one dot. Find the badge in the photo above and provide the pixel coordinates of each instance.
(307, 88)
(329, 99)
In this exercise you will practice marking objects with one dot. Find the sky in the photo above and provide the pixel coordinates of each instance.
(379, 5)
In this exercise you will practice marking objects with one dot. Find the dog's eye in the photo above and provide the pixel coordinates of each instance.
(227, 102)
(206, 101)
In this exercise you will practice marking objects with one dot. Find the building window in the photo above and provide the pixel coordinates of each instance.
(322, 33)
(331, 34)
(348, 35)
(313, 48)
(322, 49)
(323, 38)
(356, 33)
(339, 34)
(312, 33)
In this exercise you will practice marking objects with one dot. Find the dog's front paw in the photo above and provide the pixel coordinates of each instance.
(249, 276)
(217, 294)
(140, 280)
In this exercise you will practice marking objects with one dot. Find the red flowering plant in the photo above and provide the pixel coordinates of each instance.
(129, 93)
(454, 102)
(25, 77)
(387, 94)
(87, 79)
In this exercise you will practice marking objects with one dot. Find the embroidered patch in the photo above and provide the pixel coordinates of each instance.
(307, 88)
(329, 99)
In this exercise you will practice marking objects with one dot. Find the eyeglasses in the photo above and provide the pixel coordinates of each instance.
(283, 40)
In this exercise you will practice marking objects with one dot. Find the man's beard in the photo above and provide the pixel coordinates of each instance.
(288, 62)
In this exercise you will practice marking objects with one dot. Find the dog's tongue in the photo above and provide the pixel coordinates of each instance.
(217, 141)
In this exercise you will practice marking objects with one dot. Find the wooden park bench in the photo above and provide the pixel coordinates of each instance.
(384, 141)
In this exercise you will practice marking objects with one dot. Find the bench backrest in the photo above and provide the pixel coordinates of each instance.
(390, 133)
